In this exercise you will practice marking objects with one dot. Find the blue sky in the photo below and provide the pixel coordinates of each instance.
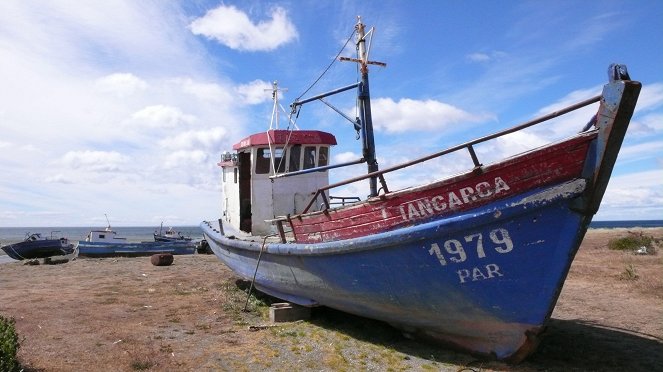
(123, 107)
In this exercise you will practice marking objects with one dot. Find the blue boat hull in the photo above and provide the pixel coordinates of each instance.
(29, 250)
(101, 249)
(481, 280)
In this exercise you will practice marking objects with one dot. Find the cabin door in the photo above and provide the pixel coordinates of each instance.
(245, 191)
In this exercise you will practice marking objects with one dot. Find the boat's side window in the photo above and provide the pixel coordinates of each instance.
(262, 160)
(295, 156)
(279, 159)
(322, 158)
(309, 157)
(235, 171)
(102, 236)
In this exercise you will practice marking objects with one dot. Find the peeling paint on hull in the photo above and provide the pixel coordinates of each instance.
(484, 299)
(476, 261)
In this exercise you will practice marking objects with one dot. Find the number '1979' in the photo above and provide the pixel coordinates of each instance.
(457, 251)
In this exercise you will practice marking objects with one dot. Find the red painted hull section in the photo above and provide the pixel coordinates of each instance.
(548, 165)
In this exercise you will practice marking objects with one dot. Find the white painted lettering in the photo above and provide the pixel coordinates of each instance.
(500, 185)
(477, 274)
(454, 201)
(425, 207)
(467, 193)
(438, 203)
(484, 190)
(463, 274)
(412, 211)
(400, 208)
(435, 249)
(493, 270)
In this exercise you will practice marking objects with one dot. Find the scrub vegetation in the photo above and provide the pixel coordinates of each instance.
(9, 345)
(638, 242)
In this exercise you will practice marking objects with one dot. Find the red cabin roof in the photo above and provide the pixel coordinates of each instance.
(280, 137)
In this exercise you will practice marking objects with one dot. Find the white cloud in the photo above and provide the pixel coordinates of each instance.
(651, 97)
(345, 157)
(95, 161)
(233, 28)
(478, 57)
(414, 115)
(640, 151)
(122, 84)
(206, 139)
(511, 144)
(633, 196)
(212, 92)
(482, 57)
(255, 92)
(161, 116)
(58, 178)
(184, 158)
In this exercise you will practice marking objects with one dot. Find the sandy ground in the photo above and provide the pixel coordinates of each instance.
(123, 314)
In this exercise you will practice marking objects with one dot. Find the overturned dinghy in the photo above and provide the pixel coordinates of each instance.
(476, 261)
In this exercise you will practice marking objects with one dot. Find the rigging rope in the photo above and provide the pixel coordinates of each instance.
(328, 67)
(294, 122)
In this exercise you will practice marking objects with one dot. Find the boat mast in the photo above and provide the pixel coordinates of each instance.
(274, 123)
(364, 99)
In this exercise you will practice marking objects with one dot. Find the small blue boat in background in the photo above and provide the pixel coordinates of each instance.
(35, 246)
(106, 243)
(170, 235)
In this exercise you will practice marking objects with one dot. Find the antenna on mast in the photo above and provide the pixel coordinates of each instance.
(364, 102)
(274, 123)
(109, 226)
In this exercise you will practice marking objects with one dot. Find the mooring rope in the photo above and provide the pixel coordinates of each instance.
(262, 248)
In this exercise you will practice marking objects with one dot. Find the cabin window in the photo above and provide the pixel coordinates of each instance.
(309, 157)
(295, 156)
(263, 157)
(279, 159)
(322, 158)
(235, 174)
(102, 236)
(262, 161)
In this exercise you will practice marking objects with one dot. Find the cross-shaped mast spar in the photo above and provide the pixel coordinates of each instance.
(364, 100)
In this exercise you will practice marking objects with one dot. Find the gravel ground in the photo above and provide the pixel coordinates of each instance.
(123, 314)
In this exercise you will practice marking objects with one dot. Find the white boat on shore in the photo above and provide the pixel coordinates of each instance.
(107, 243)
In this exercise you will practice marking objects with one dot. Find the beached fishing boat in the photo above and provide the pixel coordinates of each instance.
(170, 235)
(36, 246)
(106, 243)
(475, 261)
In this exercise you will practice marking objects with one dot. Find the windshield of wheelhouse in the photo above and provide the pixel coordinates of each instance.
(290, 159)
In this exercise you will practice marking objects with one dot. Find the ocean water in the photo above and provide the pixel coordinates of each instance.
(74, 234)
(625, 224)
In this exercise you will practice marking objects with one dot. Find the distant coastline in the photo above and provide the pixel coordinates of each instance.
(625, 224)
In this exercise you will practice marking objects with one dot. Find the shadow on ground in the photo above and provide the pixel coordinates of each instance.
(566, 345)
(589, 346)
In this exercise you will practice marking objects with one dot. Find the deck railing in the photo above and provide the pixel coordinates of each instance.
(467, 145)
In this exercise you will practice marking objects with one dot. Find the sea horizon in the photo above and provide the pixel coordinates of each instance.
(144, 233)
